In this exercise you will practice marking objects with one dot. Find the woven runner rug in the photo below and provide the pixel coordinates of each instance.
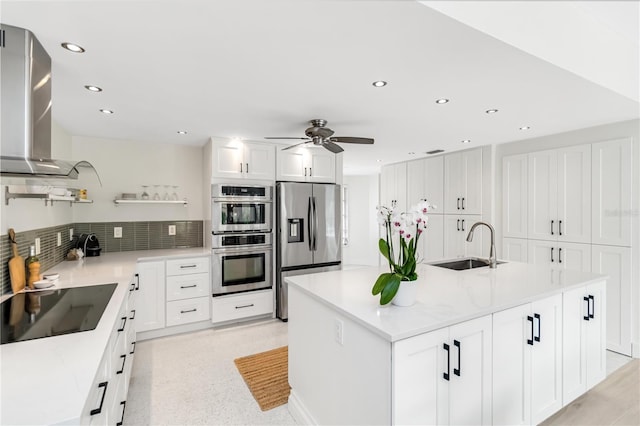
(267, 376)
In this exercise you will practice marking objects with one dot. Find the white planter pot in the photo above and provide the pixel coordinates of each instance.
(406, 295)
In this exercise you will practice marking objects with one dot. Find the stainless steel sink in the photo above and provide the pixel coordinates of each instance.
(463, 264)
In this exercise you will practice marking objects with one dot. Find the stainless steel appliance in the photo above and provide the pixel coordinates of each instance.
(309, 232)
(241, 208)
(241, 262)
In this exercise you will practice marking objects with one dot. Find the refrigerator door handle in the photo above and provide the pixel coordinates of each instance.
(310, 224)
(315, 224)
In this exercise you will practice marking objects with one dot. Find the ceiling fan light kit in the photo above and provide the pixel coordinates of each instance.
(320, 135)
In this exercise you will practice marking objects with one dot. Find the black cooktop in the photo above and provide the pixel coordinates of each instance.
(46, 313)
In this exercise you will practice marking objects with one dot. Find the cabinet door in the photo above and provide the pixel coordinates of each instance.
(543, 195)
(616, 263)
(432, 240)
(595, 330)
(453, 176)
(434, 182)
(291, 165)
(511, 361)
(150, 312)
(454, 237)
(322, 165)
(546, 358)
(259, 161)
(387, 185)
(514, 249)
(471, 202)
(420, 392)
(514, 196)
(228, 159)
(574, 194)
(542, 252)
(400, 189)
(574, 363)
(611, 171)
(574, 256)
(415, 181)
(470, 379)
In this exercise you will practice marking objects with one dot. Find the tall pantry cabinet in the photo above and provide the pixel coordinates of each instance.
(570, 208)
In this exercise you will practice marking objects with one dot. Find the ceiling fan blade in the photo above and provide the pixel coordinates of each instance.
(284, 137)
(297, 144)
(348, 139)
(336, 149)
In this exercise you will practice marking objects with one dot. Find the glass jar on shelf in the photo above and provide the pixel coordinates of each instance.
(174, 195)
(145, 194)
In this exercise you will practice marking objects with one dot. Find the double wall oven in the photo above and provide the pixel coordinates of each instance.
(241, 242)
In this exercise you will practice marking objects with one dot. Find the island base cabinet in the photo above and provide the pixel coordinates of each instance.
(584, 344)
(151, 297)
(527, 362)
(444, 377)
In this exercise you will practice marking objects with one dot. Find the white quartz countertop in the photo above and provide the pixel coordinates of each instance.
(445, 297)
(47, 380)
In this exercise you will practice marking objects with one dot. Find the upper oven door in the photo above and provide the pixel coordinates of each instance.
(240, 216)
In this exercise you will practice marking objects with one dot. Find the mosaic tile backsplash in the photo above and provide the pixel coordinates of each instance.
(135, 236)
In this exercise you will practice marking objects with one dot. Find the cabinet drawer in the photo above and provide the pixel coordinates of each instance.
(187, 286)
(226, 308)
(194, 265)
(186, 311)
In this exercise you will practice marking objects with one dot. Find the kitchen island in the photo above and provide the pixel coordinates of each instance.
(510, 345)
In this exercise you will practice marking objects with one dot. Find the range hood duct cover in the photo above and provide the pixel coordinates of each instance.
(25, 109)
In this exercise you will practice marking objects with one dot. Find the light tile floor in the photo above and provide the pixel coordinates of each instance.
(190, 379)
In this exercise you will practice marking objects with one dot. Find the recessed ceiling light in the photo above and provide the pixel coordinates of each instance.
(72, 47)
(491, 111)
(379, 83)
(379, 161)
(525, 128)
(93, 88)
(442, 101)
(106, 111)
(182, 132)
(466, 141)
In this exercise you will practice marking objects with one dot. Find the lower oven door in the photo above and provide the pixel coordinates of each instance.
(241, 269)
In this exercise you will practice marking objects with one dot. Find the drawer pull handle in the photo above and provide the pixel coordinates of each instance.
(124, 359)
(244, 306)
(188, 286)
(133, 314)
(586, 317)
(446, 375)
(133, 287)
(537, 317)
(530, 341)
(187, 266)
(137, 282)
(457, 344)
(124, 406)
(124, 323)
(593, 306)
(190, 310)
(133, 348)
(104, 392)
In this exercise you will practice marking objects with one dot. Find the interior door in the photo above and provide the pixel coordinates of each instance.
(327, 223)
(294, 224)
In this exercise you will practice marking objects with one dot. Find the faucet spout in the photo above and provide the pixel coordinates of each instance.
(493, 262)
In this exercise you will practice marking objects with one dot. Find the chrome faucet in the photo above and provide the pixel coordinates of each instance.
(493, 263)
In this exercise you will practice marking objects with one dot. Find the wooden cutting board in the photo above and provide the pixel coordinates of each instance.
(16, 266)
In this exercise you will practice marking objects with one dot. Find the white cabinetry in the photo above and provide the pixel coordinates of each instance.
(515, 249)
(150, 314)
(242, 305)
(306, 164)
(432, 239)
(245, 160)
(188, 290)
(514, 196)
(425, 181)
(584, 339)
(559, 192)
(444, 377)
(456, 229)
(393, 186)
(527, 362)
(560, 255)
(463, 182)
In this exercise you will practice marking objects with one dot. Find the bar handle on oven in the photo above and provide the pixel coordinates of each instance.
(244, 306)
(187, 266)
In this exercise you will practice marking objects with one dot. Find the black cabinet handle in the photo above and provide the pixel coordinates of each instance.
(305, 174)
(133, 314)
(190, 310)
(124, 406)
(559, 227)
(551, 254)
(458, 204)
(593, 306)
(537, 316)
(551, 227)
(104, 392)
(124, 359)
(133, 348)
(458, 225)
(137, 282)
(586, 317)
(244, 306)
(530, 341)
(310, 172)
(247, 164)
(456, 371)
(446, 375)
(463, 225)
(133, 287)
(188, 286)
(240, 167)
(560, 255)
(462, 203)
(124, 323)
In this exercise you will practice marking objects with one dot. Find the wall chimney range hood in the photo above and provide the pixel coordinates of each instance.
(25, 109)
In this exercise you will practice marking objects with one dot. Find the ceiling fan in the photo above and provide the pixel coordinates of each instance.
(320, 135)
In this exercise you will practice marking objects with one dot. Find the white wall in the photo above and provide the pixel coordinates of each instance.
(363, 197)
(124, 166)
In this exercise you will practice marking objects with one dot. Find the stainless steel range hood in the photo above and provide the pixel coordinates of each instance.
(25, 144)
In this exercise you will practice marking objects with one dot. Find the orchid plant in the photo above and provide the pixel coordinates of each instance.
(409, 226)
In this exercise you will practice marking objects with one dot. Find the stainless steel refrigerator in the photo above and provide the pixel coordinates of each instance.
(308, 232)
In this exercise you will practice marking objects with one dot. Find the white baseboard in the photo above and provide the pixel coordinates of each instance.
(298, 411)
(168, 331)
(635, 350)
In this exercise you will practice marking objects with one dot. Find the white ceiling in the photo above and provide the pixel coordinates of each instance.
(255, 68)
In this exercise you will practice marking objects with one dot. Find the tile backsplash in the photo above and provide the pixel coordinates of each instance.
(135, 236)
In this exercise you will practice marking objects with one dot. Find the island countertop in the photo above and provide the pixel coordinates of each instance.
(444, 297)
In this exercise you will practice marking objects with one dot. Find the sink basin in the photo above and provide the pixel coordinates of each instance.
(464, 264)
